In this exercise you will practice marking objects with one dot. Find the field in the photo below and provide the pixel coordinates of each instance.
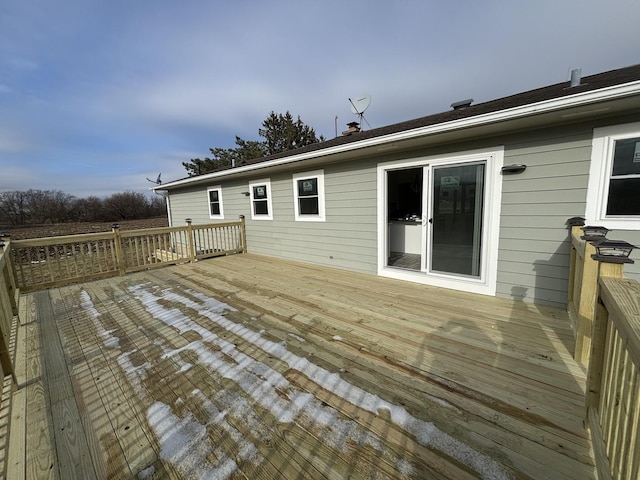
(73, 228)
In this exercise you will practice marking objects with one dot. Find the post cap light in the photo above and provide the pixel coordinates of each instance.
(594, 234)
(613, 251)
(115, 225)
(575, 222)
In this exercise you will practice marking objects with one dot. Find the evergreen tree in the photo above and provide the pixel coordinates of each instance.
(280, 132)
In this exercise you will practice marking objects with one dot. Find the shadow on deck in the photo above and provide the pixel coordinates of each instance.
(251, 367)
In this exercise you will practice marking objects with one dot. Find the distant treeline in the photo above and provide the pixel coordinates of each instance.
(53, 206)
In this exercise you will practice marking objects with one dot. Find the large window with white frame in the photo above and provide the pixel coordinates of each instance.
(214, 196)
(308, 193)
(260, 195)
(613, 197)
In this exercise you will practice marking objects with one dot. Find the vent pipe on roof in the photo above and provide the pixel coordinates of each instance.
(462, 104)
(576, 77)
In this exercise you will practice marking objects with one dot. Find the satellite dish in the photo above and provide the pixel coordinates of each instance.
(158, 180)
(360, 104)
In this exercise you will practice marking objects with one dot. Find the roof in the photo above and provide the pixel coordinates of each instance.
(539, 96)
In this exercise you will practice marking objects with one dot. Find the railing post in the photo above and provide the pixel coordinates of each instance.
(575, 223)
(117, 244)
(191, 240)
(586, 307)
(243, 235)
(599, 336)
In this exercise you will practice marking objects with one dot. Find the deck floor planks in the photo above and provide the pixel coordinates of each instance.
(107, 456)
(244, 284)
(282, 445)
(538, 466)
(358, 362)
(40, 455)
(281, 442)
(159, 335)
(129, 429)
(528, 394)
(74, 458)
(506, 442)
(295, 303)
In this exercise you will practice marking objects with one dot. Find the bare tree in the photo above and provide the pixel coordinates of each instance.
(14, 207)
(125, 206)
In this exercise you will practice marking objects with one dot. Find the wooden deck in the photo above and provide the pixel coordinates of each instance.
(250, 367)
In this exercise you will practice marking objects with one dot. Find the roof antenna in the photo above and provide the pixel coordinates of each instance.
(359, 105)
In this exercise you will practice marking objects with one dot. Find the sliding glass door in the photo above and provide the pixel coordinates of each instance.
(455, 225)
(435, 218)
(439, 219)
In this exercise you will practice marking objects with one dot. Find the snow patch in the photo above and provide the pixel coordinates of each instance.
(107, 336)
(184, 442)
(300, 339)
(147, 473)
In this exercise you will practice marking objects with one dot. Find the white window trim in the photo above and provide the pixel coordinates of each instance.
(256, 183)
(320, 217)
(215, 217)
(487, 283)
(599, 176)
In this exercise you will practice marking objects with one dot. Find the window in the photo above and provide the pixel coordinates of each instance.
(308, 192)
(214, 195)
(613, 198)
(260, 194)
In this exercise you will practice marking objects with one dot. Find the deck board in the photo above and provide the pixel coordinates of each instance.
(301, 372)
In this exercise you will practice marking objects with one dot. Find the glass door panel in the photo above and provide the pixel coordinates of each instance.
(404, 218)
(456, 220)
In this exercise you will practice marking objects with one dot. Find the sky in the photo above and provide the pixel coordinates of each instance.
(96, 96)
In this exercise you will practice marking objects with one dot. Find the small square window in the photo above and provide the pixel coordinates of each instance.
(215, 202)
(308, 191)
(260, 192)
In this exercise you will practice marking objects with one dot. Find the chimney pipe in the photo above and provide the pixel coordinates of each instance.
(576, 76)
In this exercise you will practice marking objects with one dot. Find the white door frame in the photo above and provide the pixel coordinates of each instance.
(486, 283)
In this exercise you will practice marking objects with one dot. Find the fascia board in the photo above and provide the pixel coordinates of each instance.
(545, 106)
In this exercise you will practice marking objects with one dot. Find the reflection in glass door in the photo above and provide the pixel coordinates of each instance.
(455, 223)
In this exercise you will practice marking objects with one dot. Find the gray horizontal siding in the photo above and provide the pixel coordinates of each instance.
(534, 248)
(533, 239)
(633, 237)
(347, 239)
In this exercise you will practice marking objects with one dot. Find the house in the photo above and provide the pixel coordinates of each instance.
(475, 198)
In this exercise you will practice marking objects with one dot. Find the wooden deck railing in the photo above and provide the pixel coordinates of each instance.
(9, 298)
(605, 308)
(613, 386)
(55, 261)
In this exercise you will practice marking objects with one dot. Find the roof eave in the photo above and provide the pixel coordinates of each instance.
(545, 106)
